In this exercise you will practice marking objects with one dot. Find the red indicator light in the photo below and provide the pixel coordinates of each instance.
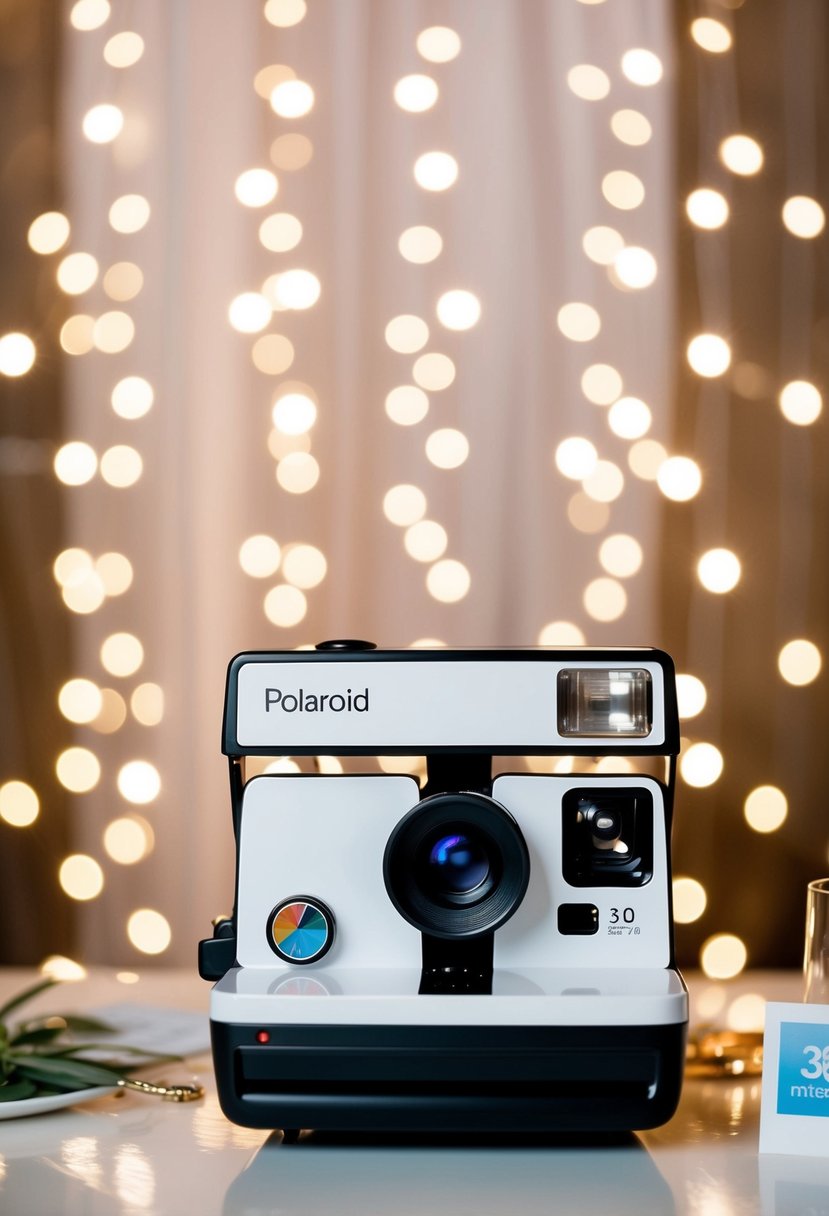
(262, 1036)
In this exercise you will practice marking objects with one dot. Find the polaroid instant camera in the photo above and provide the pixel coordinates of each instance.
(489, 951)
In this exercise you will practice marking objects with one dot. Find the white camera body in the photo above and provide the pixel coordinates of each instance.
(493, 951)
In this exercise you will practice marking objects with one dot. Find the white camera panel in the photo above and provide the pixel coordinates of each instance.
(418, 705)
(636, 934)
(323, 837)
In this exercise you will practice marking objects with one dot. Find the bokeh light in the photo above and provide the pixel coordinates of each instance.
(81, 877)
(292, 99)
(425, 541)
(404, 505)
(17, 354)
(459, 309)
(297, 289)
(75, 463)
(113, 713)
(78, 769)
(601, 383)
(604, 599)
(121, 466)
(88, 15)
(579, 322)
(149, 931)
(711, 35)
(272, 354)
(256, 187)
(803, 216)
(298, 472)
(124, 49)
(19, 804)
(285, 13)
(438, 44)
(113, 332)
(689, 900)
(121, 654)
(123, 281)
(433, 372)
(701, 765)
(691, 695)
(605, 483)
(576, 457)
(129, 213)
(76, 273)
(147, 704)
(448, 581)
(65, 970)
(561, 633)
(447, 448)
(631, 127)
(259, 556)
(49, 232)
(304, 566)
(642, 67)
(742, 155)
(79, 700)
(76, 335)
(621, 555)
(766, 808)
(709, 355)
(800, 402)
(285, 605)
(587, 515)
(588, 82)
(799, 662)
(280, 232)
(629, 418)
(103, 123)
(407, 334)
(416, 93)
(128, 839)
(707, 208)
(249, 313)
(635, 267)
(436, 171)
(139, 782)
(407, 405)
(723, 956)
(420, 244)
(719, 570)
(132, 397)
(679, 478)
(292, 152)
(601, 244)
(646, 458)
(294, 413)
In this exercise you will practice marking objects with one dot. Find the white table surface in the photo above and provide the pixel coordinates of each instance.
(137, 1156)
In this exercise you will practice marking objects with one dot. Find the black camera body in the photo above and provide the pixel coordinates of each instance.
(488, 949)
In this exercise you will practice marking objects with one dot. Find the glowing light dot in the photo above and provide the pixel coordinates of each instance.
(113, 332)
(587, 515)
(407, 334)
(267, 78)
(800, 402)
(147, 704)
(129, 839)
(630, 127)
(292, 152)
(438, 44)
(122, 654)
(256, 187)
(17, 354)
(123, 281)
(85, 595)
(404, 505)
(298, 472)
(75, 463)
(689, 900)
(803, 216)
(448, 581)
(691, 696)
(124, 49)
(602, 244)
(629, 418)
(149, 931)
(588, 82)
(272, 354)
(249, 312)
(578, 322)
(747, 1013)
(635, 267)
(799, 662)
(420, 244)
(425, 541)
(433, 372)
(719, 570)
(49, 232)
(259, 556)
(709, 355)
(284, 764)
(416, 93)
(304, 566)
(741, 154)
(604, 599)
(77, 334)
(707, 208)
(103, 123)
(121, 466)
(80, 700)
(621, 555)
(285, 13)
(139, 782)
(127, 977)
(81, 877)
(132, 397)
(766, 808)
(76, 273)
(723, 956)
(407, 405)
(561, 633)
(447, 448)
(19, 804)
(129, 213)
(601, 383)
(292, 99)
(78, 769)
(294, 414)
(459, 309)
(679, 478)
(646, 458)
(89, 14)
(280, 445)
(427, 644)
(436, 171)
(711, 35)
(576, 457)
(72, 566)
(623, 189)
(701, 765)
(66, 970)
(113, 713)
(297, 289)
(285, 605)
(642, 67)
(280, 232)
(605, 483)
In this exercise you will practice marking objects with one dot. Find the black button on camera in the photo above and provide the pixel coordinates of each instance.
(578, 919)
(346, 644)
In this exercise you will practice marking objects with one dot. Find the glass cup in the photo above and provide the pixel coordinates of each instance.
(816, 954)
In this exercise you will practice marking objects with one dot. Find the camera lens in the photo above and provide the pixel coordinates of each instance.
(606, 825)
(458, 864)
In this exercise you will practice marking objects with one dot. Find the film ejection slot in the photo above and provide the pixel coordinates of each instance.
(596, 703)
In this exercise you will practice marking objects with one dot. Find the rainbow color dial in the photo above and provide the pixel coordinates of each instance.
(300, 929)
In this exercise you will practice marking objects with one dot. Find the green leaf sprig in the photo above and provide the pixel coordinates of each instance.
(42, 1056)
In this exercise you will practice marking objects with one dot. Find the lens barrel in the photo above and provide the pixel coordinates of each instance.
(456, 865)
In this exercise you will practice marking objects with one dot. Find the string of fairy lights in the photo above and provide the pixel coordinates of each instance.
(291, 569)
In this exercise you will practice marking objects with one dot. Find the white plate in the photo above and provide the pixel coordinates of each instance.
(40, 1106)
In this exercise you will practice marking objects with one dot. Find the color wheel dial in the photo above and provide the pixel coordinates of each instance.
(300, 929)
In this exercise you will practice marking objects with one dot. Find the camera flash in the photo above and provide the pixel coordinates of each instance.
(593, 702)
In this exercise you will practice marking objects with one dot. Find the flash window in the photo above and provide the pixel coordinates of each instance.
(597, 703)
